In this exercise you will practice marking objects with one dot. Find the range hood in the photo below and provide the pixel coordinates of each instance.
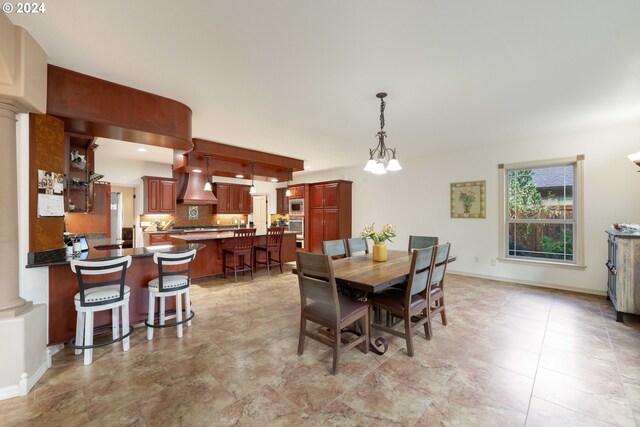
(192, 190)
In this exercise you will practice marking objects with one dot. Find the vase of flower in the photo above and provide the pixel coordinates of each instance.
(379, 239)
(380, 252)
(467, 197)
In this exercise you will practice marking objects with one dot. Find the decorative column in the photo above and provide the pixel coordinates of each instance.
(23, 89)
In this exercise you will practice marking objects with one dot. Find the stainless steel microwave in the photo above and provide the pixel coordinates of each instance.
(296, 206)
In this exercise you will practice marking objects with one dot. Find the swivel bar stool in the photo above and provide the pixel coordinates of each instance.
(102, 288)
(170, 283)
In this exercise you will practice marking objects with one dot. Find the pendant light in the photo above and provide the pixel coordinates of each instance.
(288, 192)
(207, 185)
(252, 190)
(381, 158)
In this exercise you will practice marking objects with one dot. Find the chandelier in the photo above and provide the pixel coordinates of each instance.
(381, 158)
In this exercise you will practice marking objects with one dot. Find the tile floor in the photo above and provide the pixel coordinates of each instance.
(511, 355)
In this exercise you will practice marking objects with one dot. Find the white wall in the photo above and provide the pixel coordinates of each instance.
(416, 200)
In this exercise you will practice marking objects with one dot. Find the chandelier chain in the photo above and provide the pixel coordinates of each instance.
(382, 105)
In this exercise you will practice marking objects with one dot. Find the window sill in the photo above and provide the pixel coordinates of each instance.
(543, 263)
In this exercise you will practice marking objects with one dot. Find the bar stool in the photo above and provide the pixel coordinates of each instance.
(272, 244)
(174, 283)
(243, 242)
(96, 295)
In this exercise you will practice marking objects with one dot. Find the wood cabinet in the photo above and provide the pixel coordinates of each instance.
(329, 213)
(623, 281)
(233, 199)
(159, 195)
(79, 165)
(282, 201)
(297, 192)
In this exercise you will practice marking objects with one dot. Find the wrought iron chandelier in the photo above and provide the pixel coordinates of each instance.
(381, 158)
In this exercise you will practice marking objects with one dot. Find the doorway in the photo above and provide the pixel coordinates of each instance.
(128, 213)
(260, 221)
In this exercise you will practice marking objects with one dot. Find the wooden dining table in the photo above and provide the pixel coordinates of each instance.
(361, 272)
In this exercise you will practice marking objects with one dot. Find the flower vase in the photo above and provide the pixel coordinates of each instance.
(380, 252)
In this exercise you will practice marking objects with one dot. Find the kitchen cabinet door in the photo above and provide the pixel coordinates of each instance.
(167, 191)
(153, 195)
(316, 230)
(282, 201)
(223, 195)
(235, 199)
(330, 221)
(316, 194)
(330, 196)
(246, 205)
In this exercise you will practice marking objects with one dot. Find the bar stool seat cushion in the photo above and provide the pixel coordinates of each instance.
(102, 293)
(169, 282)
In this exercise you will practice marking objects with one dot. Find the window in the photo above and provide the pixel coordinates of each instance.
(541, 211)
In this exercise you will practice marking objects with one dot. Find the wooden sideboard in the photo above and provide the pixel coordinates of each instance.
(623, 282)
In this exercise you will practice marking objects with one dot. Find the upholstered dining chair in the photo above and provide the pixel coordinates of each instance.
(335, 248)
(411, 301)
(321, 303)
(436, 289)
(357, 245)
(273, 245)
(241, 248)
(421, 242)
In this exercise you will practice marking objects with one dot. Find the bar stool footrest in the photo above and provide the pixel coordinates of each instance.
(72, 342)
(171, 324)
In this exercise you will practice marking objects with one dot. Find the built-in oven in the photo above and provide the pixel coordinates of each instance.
(296, 206)
(296, 224)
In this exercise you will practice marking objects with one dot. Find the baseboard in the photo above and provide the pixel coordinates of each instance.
(530, 283)
(26, 382)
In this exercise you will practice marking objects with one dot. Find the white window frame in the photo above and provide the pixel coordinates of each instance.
(578, 211)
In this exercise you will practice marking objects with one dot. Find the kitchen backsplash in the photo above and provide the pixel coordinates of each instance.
(205, 217)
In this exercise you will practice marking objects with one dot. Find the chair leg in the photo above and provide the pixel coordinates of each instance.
(408, 336)
(251, 261)
(88, 337)
(235, 268)
(224, 264)
(187, 303)
(162, 316)
(268, 261)
(115, 322)
(280, 260)
(125, 325)
(336, 351)
(179, 314)
(366, 333)
(150, 316)
(301, 336)
(428, 332)
(79, 331)
(443, 315)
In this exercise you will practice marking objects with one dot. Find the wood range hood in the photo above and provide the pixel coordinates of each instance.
(226, 161)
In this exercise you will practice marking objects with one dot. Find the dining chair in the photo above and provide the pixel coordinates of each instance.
(172, 281)
(241, 248)
(101, 287)
(357, 245)
(412, 302)
(436, 289)
(273, 244)
(421, 242)
(335, 248)
(321, 303)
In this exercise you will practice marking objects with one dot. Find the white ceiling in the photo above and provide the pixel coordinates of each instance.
(299, 77)
(109, 149)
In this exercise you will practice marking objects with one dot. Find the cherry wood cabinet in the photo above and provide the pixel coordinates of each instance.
(329, 213)
(233, 199)
(159, 195)
(297, 192)
(282, 201)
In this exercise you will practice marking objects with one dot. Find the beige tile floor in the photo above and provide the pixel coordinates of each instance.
(511, 355)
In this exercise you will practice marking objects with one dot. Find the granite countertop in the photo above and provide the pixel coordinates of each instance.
(212, 235)
(58, 256)
(197, 230)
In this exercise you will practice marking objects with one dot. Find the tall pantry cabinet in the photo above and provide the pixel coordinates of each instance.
(329, 213)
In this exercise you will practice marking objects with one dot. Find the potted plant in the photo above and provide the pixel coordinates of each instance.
(379, 239)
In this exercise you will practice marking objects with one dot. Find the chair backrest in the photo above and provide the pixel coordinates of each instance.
(274, 237)
(172, 259)
(440, 263)
(357, 245)
(334, 248)
(91, 274)
(421, 242)
(317, 282)
(422, 261)
(244, 238)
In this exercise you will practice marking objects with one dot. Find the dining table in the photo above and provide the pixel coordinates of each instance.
(362, 273)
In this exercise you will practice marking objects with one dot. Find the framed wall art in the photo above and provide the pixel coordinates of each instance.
(468, 199)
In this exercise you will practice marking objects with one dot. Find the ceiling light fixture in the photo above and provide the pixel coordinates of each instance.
(635, 158)
(142, 150)
(252, 189)
(197, 170)
(239, 176)
(207, 185)
(381, 158)
(274, 179)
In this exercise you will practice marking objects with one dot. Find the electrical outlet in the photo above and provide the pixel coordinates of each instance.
(477, 259)
(494, 262)
(218, 222)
